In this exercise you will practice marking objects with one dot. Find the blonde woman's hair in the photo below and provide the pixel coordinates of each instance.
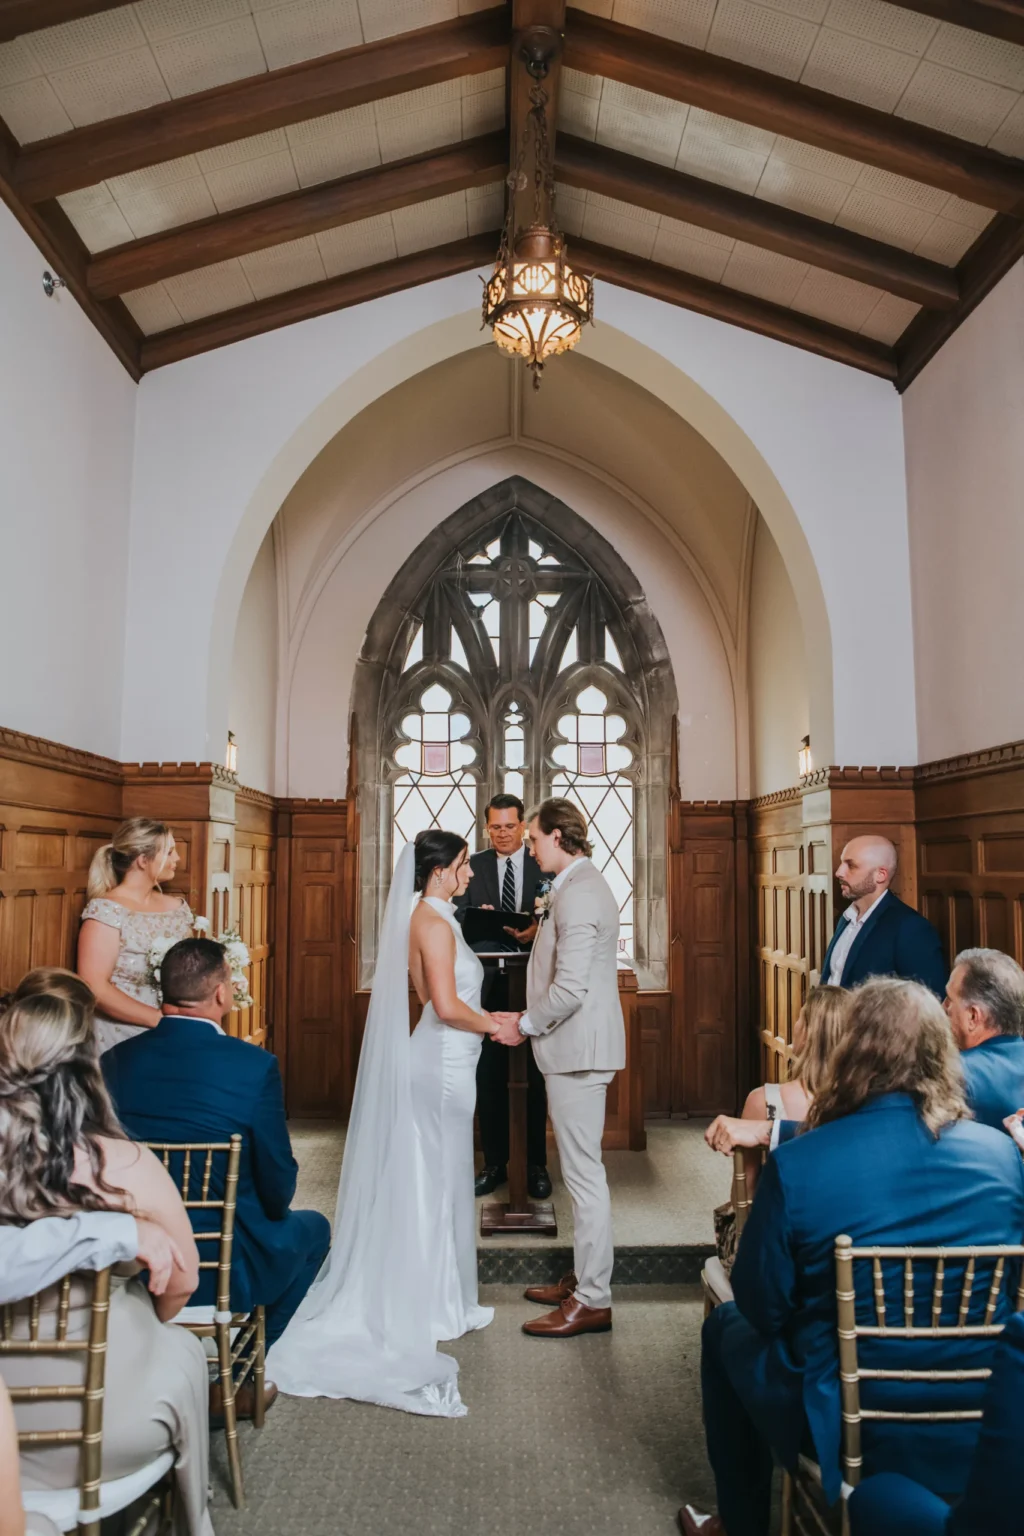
(825, 1010)
(138, 838)
(896, 1040)
(53, 1100)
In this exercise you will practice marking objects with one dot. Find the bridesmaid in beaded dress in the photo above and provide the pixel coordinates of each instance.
(126, 914)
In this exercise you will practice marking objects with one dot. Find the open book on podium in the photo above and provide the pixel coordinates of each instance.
(486, 926)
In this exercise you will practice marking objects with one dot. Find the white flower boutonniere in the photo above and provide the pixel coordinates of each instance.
(542, 903)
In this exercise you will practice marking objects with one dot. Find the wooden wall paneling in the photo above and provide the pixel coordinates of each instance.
(254, 901)
(970, 836)
(706, 1025)
(57, 806)
(624, 1110)
(876, 800)
(321, 997)
(788, 922)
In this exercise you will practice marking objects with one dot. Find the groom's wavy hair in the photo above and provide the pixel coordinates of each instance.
(562, 816)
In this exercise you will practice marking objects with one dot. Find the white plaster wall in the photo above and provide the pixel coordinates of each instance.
(366, 559)
(66, 433)
(253, 708)
(964, 424)
(779, 706)
(223, 437)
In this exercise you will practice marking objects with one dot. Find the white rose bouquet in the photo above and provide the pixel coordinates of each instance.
(235, 951)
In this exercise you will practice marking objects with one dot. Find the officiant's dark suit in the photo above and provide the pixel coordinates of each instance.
(519, 894)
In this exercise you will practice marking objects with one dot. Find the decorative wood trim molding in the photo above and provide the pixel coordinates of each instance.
(989, 760)
(40, 753)
(256, 797)
(181, 773)
(20, 16)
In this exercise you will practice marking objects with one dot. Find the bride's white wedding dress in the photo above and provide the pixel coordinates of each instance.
(402, 1272)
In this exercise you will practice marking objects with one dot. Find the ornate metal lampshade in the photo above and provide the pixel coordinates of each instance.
(535, 304)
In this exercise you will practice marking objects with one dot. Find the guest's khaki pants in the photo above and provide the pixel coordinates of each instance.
(576, 1104)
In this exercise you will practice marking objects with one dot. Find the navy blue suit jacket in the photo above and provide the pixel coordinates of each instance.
(880, 1176)
(182, 1081)
(994, 1073)
(892, 1505)
(895, 941)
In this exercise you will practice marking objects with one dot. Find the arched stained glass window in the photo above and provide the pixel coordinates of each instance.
(514, 652)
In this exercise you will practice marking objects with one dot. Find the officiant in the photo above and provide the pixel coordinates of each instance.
(505, 878)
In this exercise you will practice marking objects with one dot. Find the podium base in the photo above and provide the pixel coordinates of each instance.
(499, 1217)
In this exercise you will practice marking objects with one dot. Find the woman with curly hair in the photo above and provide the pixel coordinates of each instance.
(63, 1151)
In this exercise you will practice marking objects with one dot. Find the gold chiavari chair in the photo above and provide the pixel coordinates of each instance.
(803, 1509)
(33, 1329)
(191, 1166)
(713, 1277)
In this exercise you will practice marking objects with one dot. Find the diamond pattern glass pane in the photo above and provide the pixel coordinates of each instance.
(420, 803)
(607, 803)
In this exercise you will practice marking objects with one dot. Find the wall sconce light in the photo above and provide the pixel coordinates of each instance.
(231, 755)
(51, 283)
(804, 757)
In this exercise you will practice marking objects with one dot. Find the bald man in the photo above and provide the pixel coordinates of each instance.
(879, 935)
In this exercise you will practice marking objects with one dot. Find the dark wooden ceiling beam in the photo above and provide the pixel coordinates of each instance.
(317, 299)
(598, 47)
(742, 309)
(327, 206)
(469, 45)
(992, 255)
(62, 249)
(20, 16)
(679, 196)
(997, 18)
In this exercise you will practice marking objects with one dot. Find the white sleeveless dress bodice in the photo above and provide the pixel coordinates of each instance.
(443, 1085)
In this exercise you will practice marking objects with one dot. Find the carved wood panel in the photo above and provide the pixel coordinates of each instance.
(970, 833)
(254, 868)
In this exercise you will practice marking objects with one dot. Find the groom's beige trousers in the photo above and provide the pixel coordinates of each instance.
(576, 1103)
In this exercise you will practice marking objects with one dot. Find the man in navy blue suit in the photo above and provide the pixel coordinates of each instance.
(985, 1004)
(186, 1080)
(879, 935)
(892, 1505)
(891, 1160)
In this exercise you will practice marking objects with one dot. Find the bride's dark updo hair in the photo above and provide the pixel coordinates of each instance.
(435, 850)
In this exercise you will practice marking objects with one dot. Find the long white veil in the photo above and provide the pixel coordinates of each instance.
(364, 1328)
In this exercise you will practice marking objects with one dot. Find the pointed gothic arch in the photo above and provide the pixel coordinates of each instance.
(481, 671)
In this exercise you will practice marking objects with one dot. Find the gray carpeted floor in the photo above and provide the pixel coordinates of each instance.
(584, 1437)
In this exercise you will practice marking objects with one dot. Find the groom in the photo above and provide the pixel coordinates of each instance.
(579, 1042)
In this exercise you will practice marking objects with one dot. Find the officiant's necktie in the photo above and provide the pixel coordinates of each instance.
(508, 888)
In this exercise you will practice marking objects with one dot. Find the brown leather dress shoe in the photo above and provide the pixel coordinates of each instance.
(552, 1295)
(570, 1318)
(693, 1523)
(245, 1402)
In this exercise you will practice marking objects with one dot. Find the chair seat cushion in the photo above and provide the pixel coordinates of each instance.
(716, 1281)
(61, 1504)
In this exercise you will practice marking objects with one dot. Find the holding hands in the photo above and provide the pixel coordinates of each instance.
(507, 1032)
(1015, 1125)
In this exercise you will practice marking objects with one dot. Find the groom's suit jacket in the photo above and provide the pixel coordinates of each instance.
(572, 985)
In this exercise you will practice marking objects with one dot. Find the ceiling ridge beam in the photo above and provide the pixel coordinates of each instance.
(677, 195)
(735, 308)
(329, 205)
(595, 46)
(334, 82)
(20, 16)
(996, 18)
(318, 299)
(49, 227)
(991, 256)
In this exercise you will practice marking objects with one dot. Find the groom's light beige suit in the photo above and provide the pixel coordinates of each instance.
(573, 1010)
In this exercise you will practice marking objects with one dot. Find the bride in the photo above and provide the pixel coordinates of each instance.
(402, 1273)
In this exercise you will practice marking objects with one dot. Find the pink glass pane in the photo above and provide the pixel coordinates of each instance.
(591, 759)
(435, 757)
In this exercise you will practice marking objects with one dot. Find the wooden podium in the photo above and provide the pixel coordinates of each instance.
(518, 1213)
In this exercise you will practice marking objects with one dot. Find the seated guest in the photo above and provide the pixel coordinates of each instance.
(892, 1505)
(891, 1158)
(37, 1255)
(815, 1036)
(985, 1004)
(61, 1152)
(879, 935)
(186, 1080)
(13, 1520)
